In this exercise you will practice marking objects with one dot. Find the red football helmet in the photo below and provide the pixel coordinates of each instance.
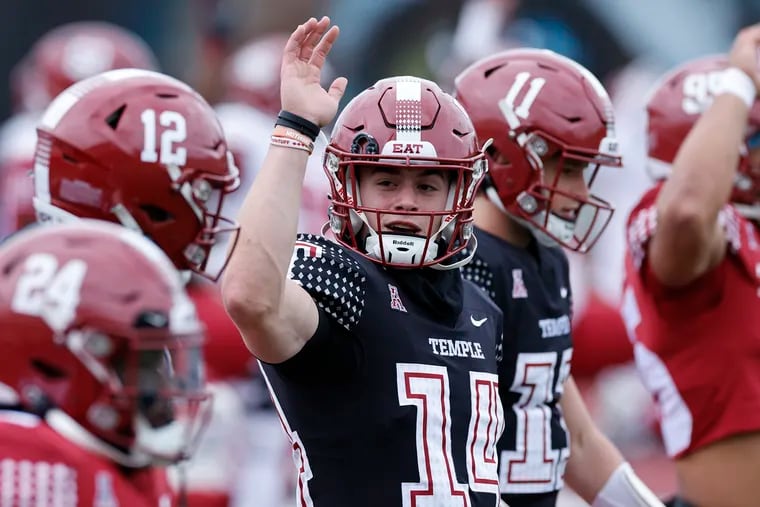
(70, 53)
(142, 149)
(410, 123)
(536, 104)
(676, 103)
(98, 329)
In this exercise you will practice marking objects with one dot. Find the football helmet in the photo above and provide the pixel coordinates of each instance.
(101, 333)
(675, 104)
(70, 53)
(145, 150)
(409, 123)
(536, 105)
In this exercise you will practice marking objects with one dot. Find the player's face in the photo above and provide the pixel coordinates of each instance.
(407, 190)
(569, 178)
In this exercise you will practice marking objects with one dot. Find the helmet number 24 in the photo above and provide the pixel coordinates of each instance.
(43, 290)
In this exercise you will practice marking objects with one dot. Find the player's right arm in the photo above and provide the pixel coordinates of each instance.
(275, 316)
(688, 240)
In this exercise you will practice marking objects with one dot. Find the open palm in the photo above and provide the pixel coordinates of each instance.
(301, 92)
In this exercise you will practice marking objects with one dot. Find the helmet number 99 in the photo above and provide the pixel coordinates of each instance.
(175, 132)
(43, 290)
(699, 91)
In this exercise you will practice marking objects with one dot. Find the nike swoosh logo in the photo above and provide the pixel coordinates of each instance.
(478, 322)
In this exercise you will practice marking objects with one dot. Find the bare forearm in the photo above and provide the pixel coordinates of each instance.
(688, 241)
(593, 457)
(705, 167)
(268, 217)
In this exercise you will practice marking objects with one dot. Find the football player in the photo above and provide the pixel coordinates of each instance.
(103, 377)
(144, 150)
(60, 58)
(379, 356)
(692, 267)
(552, 126)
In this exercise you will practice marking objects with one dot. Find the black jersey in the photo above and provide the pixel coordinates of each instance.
(532, 287)
(394, 400)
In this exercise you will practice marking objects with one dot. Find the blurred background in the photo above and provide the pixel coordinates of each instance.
(626, 43)
(379, 38)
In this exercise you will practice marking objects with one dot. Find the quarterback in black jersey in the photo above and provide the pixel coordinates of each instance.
(552, 128)
(380, 358)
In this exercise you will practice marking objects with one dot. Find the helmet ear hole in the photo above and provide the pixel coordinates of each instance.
(48, 370)
(156, 214)
(113, 119)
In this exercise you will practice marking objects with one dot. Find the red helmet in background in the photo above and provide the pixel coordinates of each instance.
(72, 52)
(144, 150)
(676, 103)
(409, 123)
(252, 73)
(98, 329)
(536, 104)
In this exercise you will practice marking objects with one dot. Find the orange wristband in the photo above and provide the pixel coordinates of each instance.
(288, 142)
(282, 131)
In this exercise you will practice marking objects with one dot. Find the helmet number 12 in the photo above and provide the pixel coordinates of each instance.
(175, 132)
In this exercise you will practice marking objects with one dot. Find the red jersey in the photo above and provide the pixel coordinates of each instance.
(697, 348)
(39, 466)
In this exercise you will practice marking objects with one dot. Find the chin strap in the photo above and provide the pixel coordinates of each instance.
(625, 489)
(473, 243)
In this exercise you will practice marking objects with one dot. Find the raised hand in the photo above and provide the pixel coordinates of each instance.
(301, 92)
(745, 53)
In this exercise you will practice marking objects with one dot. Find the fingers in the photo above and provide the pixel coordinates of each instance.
(313, 37)
(338, 88)
(295, 41)
(745, 53)
(322, 49)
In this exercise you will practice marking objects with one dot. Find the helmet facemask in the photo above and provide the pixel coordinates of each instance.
(533, 206)
(153, 405)
(209, 252)
(359, 227)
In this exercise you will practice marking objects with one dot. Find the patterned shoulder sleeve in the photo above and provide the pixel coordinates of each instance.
(480, 273)
(335, 280)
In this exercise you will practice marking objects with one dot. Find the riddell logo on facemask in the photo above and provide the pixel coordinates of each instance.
(401, 242)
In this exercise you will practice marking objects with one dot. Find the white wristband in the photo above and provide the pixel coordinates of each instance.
(625, 489)
(736, 82)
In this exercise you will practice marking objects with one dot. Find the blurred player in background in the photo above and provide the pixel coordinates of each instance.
(691, 287)
(553, 128)
(103, 382)
(144, 150)
(57, 60)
